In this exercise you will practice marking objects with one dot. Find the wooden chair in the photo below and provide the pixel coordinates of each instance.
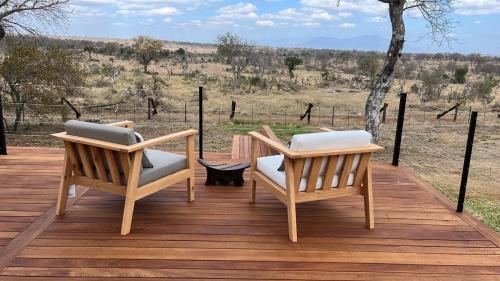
(116, 168)
(313, 175)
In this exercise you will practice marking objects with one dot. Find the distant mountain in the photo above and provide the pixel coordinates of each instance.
(365, 43)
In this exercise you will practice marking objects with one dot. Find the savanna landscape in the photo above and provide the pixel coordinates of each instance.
(114, 79)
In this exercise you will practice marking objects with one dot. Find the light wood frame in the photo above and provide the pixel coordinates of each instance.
(84, 164)
(294, 167)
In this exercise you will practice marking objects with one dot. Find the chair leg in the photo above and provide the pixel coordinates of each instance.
(128, 212)
(292, 222)
(253, 190)
(369, 216)
(190, 189)
(62, 197)
(368, 198)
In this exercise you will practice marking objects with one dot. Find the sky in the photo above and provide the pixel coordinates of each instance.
(359, 24)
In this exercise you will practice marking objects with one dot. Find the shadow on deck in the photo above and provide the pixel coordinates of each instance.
(417, 234)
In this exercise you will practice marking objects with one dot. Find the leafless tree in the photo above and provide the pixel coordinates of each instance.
(235, 52)
(436, 14)
(19, 16)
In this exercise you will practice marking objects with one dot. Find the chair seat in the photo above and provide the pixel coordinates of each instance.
(269, 166)
(164, 164)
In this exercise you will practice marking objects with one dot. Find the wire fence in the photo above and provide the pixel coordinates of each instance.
(321, 115)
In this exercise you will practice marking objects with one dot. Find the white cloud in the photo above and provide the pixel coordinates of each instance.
(166, 11)
(323, 16)
(477, 22)
(141, 7)
(302, 15)
(121, 24)
(286, 14)
(268, 23)
(221, 22)
(376, 19)
(237, 11)
(308, 24)
(364, 6)
(167, 20)
(240, 8)
(346, 25)
(160, 11)
(345, 14)
(477, 7)
(85, 11)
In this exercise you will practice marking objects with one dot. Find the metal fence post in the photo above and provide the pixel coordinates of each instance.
(468, 155)
(3, 144)
(149, 109)
(333, 114)
(200, 120)
(399, 129)
(319, 116)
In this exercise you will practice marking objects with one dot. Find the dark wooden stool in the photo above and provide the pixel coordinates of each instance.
(224, 173)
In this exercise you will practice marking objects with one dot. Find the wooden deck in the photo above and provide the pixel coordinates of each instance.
(241, 148)
(417, 235)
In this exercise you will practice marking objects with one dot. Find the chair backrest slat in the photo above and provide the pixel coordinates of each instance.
(298, 167)
(346, 171)
(125, 164)
(73, 158)
(361, 169)
(331, 166)
(85, 159)
(113, 166)
(313, 174)
(268, 132)
(99, 163)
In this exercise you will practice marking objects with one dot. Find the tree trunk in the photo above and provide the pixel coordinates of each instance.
(18, 103)
(386, 76)
(19, 114)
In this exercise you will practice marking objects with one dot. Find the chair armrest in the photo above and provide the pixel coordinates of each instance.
(278, 146)
(160, 140)
(125, 124)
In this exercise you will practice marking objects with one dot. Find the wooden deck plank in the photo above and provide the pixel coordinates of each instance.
(221, 236)
(241, 148)
(235, 151)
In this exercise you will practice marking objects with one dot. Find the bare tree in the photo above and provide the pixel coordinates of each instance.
(236, 52)
(17, 16)
(436, 14)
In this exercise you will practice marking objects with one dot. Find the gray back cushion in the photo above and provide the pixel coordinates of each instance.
(100, 132)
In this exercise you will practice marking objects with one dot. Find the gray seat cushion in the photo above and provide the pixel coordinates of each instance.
(164, 164)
